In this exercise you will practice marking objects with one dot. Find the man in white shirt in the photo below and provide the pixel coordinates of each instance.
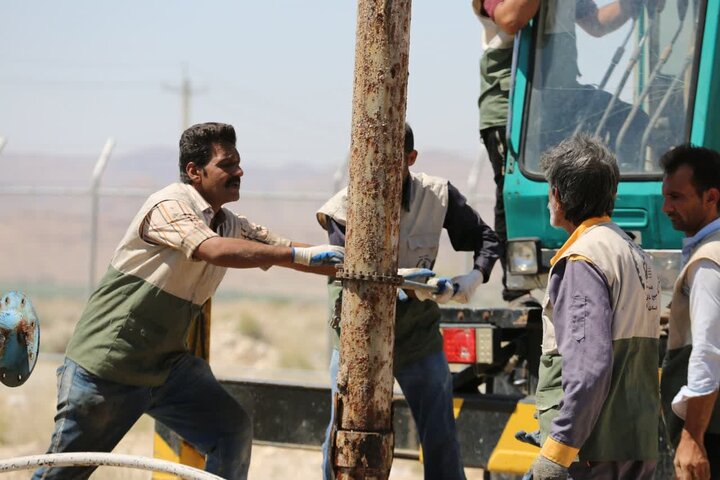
(691, 370)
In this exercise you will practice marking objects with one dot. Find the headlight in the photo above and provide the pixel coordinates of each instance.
(522, 256)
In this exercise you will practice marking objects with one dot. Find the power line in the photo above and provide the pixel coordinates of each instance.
(186, 91)
(79, 84)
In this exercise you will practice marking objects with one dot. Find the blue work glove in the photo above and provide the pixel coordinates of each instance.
(443, 290)
(318, 256)
(414, 274)
(531, 438)
(545, 469)
(401, 295)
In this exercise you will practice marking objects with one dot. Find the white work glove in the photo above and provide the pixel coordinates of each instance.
(465, 285)
(545, 469)
(318, 255)
(412, 274)
(443, 290)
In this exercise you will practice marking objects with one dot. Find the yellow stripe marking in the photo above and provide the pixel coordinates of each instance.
(511, 455)
(559, 452)
(187, 456)
(576, 234)
(457, 405)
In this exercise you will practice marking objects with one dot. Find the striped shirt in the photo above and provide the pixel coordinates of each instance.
(175, 225)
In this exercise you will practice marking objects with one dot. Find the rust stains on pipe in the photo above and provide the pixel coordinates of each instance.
(364, 434)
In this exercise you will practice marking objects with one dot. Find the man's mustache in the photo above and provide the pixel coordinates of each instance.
(233, 182)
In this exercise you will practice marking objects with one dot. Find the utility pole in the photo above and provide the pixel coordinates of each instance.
(186, 92)
(363, 441)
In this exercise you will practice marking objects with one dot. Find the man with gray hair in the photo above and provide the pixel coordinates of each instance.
(597, 394)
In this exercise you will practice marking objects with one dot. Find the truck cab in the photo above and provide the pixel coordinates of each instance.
(642, 89)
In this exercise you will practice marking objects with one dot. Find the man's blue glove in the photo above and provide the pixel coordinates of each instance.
(412, 274)
(443, 292)
(415, 273)
(401, 295)
(531, 438)
(545, 469)
(318, 256)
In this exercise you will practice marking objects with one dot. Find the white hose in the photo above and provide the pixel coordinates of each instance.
(94, 459)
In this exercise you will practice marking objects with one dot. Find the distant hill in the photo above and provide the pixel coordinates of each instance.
(154, 167)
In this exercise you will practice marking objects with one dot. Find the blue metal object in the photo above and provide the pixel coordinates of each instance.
(19, 338)
(705, 115)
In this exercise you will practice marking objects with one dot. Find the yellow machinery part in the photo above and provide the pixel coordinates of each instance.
(511, 455)
(199, 341)
(187, 456)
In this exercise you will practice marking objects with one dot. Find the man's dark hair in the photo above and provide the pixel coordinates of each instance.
(409, 139)
(196, 144)
(585, 174)
(704, 162)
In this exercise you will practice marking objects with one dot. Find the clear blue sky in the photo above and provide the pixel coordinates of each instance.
(75, 72)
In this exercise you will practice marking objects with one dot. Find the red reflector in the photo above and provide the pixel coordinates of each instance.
(459, 345)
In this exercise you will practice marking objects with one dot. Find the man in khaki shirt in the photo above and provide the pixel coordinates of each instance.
(128, 354)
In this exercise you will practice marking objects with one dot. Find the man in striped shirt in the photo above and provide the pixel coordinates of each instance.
(129, 353)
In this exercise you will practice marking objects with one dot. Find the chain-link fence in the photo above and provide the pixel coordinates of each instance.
(58, 238)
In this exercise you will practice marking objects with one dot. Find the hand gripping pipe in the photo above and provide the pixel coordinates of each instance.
(95, 459)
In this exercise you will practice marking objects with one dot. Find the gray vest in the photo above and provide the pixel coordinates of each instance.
(420, 227)
(675, 364)
(628, 423)
(417, 332)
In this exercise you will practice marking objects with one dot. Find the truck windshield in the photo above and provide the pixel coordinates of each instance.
(628, 81)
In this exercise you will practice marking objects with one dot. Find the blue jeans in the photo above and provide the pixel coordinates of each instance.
(94, 414)
(427, 386)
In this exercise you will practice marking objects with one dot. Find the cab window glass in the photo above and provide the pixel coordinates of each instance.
(628, 83)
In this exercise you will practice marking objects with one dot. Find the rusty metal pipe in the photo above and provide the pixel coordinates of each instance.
(363, 439)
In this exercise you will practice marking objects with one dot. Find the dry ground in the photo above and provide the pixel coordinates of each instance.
(269, 338)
